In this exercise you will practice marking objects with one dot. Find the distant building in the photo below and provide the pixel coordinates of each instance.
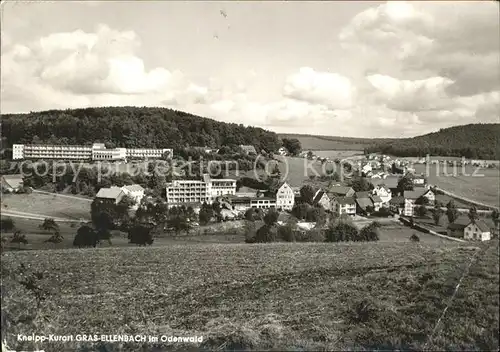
(12, 183)
(383, 192)
(397, 204)
(418, 193)
(97, 151)
(248, 149)
(345, 205)
(478, 230)
(282, 151)
(206, 190)
(111, 195)
(322, 199)
(363, 205)
(263, 202)
(246, 192)
(285, 197)
(135, 192)
(341, 191)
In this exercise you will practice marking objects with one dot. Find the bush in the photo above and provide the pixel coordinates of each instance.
(85, 237)
(314, 235)
(369, 232)
(342, 231)
(266, 234)
(286, 233)
(414, 238)
(141, 235)
(382, 212)
(250, 232)
(7, 225)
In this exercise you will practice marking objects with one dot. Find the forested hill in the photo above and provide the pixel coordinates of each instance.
(131, 127)
(476, 141)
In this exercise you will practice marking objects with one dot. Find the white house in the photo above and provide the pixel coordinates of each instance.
(285, 197)
(135, 192)
(345, 205)
(383, 192)
(408, 209)
(477, 231)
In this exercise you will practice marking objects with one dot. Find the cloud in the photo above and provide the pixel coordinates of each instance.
(407, 95)
(458, 41)
(329, 89)
(79, 69)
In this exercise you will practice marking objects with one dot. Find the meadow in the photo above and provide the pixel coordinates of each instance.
(310, 142)
(286, 296)
(47, 205)
(482, 185)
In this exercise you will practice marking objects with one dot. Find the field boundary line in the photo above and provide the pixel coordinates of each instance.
(452, 298)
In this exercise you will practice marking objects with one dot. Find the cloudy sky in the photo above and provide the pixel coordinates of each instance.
(367, 69)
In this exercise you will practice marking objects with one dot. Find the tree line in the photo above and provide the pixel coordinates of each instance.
(131, 127)
(474, 141)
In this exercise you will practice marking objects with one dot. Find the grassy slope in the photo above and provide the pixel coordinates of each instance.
(310, 142)
(261, 296)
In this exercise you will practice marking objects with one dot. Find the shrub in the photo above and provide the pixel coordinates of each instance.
(414, 238)
(266, 234)
(7, 225)
(314, 235)
(342, 231)
(85, 237)
(286, 233)
(250, 232)
(369, 232)
(382, 212)
(141, 235)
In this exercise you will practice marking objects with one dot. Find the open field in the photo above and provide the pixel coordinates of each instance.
(310, 142)
(482, 186)
(341, 154)
(301, 296)
(47, 205)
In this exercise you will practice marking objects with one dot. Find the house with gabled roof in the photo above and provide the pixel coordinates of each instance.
(321, 198)
(340, 191)
(285, 197)
(463, 227)
(135, 192)
(111, 195)
(345, 205)
(383, 192)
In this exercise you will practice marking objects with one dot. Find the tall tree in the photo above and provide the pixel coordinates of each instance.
(473, 215)
(451, 211)
(307, 194)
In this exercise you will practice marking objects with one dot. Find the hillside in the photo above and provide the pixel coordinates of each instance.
(476, 141)
(131, 127)
(311, 142)
(283, 296)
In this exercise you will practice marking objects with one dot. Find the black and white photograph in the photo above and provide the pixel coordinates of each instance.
(249, 175)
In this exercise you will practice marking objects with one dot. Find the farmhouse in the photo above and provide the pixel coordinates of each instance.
(341, 191)
(422, 192)
(345, 205)
(12, 183)
(285, 197)
(478, 230)
(110, 195)
(135, 192)
(390, 182)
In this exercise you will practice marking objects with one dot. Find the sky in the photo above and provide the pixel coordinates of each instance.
(359, 69)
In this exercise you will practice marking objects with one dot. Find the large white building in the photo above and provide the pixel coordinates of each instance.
(194, 191)
(97, 151)
(285, 197)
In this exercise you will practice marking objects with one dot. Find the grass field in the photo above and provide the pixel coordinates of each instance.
(309, 142)
(47, 205)
(287, 296)
(483, 186)
(341, 154)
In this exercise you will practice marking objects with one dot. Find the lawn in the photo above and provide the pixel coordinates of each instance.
(300, 296)
(47, 205)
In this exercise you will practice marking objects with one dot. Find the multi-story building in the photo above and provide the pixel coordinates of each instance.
(345, 205)
(144, 153)
(194, 191)
(48, 151)
(263, 202)
(97, 151)
(285, 197)
(135, 192)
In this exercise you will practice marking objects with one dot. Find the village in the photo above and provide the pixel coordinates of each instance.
(393, 191)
